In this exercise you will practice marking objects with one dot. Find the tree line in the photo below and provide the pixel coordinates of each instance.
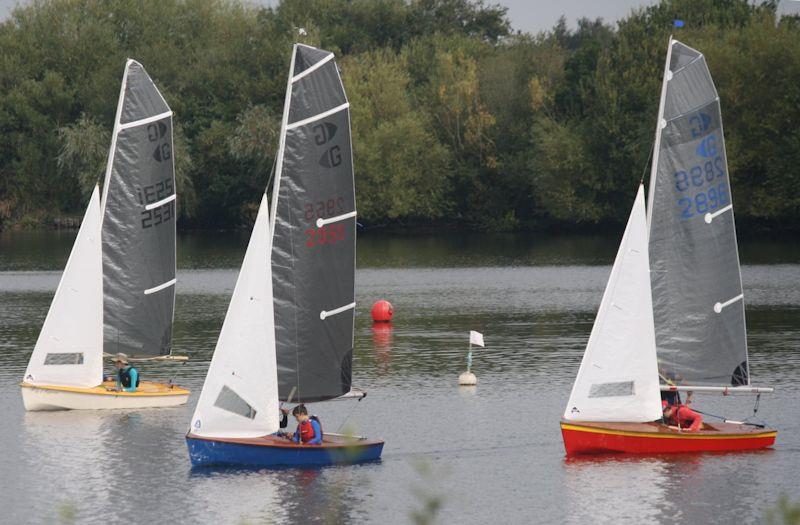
(458, 120)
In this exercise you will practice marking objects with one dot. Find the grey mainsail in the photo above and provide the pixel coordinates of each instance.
(313, 234)
(698, 303)
(138, 229)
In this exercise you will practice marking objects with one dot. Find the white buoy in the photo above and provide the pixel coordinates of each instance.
(467, 379)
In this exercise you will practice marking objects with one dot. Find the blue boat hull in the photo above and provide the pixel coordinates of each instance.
(271, 451)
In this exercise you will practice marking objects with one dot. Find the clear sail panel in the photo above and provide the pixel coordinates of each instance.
(696, 283)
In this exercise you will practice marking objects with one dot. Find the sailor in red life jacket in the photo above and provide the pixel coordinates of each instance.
(681, 415)
(309, 430)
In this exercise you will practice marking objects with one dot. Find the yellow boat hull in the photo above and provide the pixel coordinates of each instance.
(102, 397)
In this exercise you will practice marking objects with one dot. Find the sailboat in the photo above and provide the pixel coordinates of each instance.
(117, 292)
(672, 315)
(288, 333)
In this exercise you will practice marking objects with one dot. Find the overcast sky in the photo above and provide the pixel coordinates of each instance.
(534, 15)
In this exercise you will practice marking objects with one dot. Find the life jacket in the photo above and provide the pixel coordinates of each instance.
(306, 431)
(125, 377)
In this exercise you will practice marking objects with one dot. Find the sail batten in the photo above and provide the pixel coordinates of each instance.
(698, 302)
(313, 236)
(138, 225)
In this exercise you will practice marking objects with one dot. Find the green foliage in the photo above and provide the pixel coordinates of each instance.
(784, 513)
(402, 171)
(84, 152)
(455, 119)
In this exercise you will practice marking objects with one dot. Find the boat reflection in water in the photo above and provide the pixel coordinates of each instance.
(278, 495)
(652, 489)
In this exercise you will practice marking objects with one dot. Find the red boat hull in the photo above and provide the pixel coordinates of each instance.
(655, 438)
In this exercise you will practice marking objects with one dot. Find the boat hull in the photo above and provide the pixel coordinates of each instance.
(582, 437)
(274, 451)
(147, 395)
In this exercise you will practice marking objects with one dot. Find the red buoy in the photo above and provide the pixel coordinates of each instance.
(382, 311)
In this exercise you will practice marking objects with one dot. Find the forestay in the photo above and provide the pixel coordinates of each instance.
(139, 222)
(696, 282)
(618, 379)
(240, 394)
(69, 351)
(313, 243)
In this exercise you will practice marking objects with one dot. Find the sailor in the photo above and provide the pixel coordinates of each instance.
(682, 416)
(127, 376)
(309, 430)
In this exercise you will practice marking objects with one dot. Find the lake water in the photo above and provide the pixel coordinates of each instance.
(491, 454)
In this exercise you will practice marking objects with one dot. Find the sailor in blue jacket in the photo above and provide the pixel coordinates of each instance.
(127, 376)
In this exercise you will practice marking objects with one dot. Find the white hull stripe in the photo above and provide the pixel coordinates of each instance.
(323, 314)
(711, 216)
(312, 68)
(322, 222)
(143, 121)
(317, 117)
(719, 306)
(160, 287)
(160, 203)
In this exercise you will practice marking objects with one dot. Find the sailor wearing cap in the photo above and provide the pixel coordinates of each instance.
(127, 376)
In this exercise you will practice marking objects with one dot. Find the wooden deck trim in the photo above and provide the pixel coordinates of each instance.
(100, 390)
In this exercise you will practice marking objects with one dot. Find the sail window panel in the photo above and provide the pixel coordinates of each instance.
(689, 88)
(232, 402)
(306, 57)
(141, 97)
(681, 56)
(698, 129)
(316, 93)
(64, 358)
(617, 389)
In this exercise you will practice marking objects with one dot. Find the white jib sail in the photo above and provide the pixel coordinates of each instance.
(240, 395)
(69, 351)
(618, 377)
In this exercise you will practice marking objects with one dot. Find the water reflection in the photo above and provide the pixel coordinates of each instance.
(495, 450)
(68, 447)
(382, 345)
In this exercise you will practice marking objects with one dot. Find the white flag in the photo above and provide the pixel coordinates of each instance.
(475, 338)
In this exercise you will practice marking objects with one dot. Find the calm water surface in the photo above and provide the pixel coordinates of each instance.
(490, 454)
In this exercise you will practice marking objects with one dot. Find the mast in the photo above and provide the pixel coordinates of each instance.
(660, 125)
(281, 146)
